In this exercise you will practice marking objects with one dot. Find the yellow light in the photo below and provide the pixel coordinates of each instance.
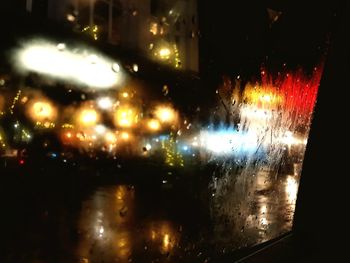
(153, 125)
(24, 100)
(69, 135)
(111, 138)
(166, 241)
(42, 110)
(45, 124)
(154, 28)
(88, 117)
(126, 117)
(153, 235)
(164, 53)
(125, 94)
(165, 114)
(81, 136)
(67, 126)
(125, 136)
(263, 97)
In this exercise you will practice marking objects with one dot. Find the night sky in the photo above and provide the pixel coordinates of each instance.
(238, 35)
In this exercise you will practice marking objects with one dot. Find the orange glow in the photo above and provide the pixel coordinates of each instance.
(154, 28)
(111, 138)
(165, 114)
(126, 117)
(263, 96)
(42, 111)
(88, 117)
(125, 136)
(153, 125)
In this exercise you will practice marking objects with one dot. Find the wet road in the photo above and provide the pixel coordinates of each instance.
(52, 219)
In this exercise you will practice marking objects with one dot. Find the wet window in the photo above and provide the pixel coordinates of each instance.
(124, 137)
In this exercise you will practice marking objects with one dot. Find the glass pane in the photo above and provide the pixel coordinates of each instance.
(154, 131)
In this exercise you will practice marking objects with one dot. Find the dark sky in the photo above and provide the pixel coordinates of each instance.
(237, 36)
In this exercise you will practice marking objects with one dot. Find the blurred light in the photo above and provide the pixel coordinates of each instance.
(262, 96)
(290, 139)
(153, 125)
(291, 189)
(100, 129)
(249, 112)
(105, 103)
(165, 114)
(135, 68)
(154, 28)
(116, 67)
(70, 18)
(42, 110)
(125, 136)
(229, 142)
(88, 117)
(44, 57)
(126, 116)
(21, 162)
(67, 126)
(164, 53)
(148, 147)
(111, 138)
(153, 235)
(24, 99)
(166, 240)
(61, 46)
(125, 94)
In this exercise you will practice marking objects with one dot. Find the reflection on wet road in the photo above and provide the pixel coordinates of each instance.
(112, 231)
(124, 222)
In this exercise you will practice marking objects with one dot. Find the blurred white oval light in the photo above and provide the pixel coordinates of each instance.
(100, 129)
(70, 17)
(105, 103)
(148, 147)
(135, 68)
(61, 46)
(48, 59)
(116, 67)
